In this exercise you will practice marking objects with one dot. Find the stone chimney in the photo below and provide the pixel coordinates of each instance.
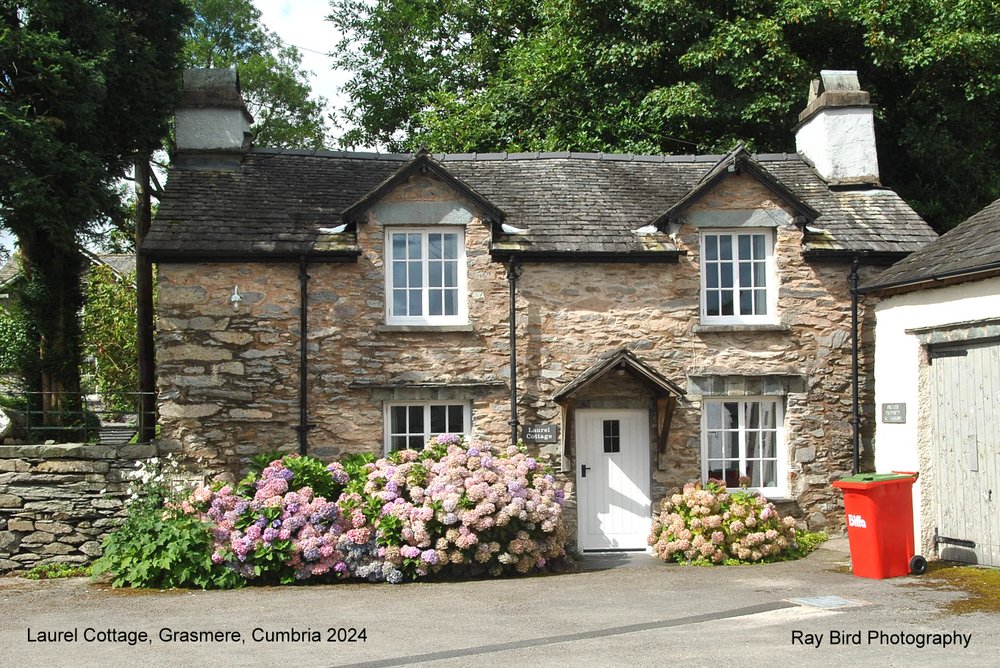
(212, 117)
(836, 130)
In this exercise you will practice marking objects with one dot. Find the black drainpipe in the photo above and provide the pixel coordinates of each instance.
(855, 399)
(303, 426)
(512, 273)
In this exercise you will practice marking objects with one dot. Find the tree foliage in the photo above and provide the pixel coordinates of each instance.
(85, 86)
(109, 326)
(18, 339)
(682, 76)
(228, 33)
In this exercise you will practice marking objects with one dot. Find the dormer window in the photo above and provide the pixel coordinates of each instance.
(738, 280)
(425, 276)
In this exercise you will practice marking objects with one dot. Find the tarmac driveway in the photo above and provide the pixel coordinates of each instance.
(615, 612)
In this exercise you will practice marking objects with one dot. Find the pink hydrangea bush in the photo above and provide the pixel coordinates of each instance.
(707, 524)
(463, 509)
(454, 508)
(283, 532)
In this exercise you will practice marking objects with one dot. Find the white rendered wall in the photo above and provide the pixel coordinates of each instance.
(898, 360)
(840, 141)
(210, 129)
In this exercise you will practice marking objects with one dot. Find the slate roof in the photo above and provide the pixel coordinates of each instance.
(10, 269)
(968, 252)
(122, 265)
(738, 159)
(272, 205)
(621, 358)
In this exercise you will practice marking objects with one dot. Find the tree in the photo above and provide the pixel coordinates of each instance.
(109, 326)
(85, 86)
(681, 77)
(228, 33)
(404, 51)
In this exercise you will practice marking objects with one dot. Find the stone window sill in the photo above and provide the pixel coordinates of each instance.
(723, 329)
(426, 328)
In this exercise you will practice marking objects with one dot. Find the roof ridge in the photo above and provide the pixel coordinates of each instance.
(529, 155)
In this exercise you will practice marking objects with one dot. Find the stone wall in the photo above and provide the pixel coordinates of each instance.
(228, 380)
(57, 502)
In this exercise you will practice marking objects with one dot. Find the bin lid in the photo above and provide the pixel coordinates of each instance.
(865, 480)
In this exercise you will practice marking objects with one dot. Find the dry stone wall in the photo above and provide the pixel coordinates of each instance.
(229, 379)
(57, 502)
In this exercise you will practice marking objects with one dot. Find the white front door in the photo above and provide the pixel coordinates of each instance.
(612, 475)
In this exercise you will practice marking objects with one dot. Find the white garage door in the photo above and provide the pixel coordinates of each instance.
(965, 422)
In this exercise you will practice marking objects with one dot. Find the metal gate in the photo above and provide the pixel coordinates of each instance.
(965, 437)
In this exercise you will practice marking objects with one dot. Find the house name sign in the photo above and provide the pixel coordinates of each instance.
(541, 433)
(894, 413)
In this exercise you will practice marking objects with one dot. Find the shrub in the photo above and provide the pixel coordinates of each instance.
(462, 509)
(707, 524)
(454, 508)
(284, 531)
(158, 545)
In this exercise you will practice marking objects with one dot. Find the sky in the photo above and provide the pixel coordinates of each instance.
(300, 23)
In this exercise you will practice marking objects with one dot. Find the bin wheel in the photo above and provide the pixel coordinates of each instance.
(918, 565)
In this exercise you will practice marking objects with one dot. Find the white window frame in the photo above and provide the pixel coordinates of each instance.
(770, 278)
(427, 433)
(462, 315)
(780, 488)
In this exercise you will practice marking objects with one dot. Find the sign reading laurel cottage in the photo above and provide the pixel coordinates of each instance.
(541, 433)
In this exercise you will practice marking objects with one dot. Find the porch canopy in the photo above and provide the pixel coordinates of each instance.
(665, 391)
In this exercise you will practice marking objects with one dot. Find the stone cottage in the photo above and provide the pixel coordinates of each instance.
(937, 386)
(642, 321)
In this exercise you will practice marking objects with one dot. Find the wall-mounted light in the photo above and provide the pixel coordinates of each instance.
(235, 298)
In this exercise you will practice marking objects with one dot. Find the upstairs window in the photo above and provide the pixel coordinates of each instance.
(738, 281)
(425, 276)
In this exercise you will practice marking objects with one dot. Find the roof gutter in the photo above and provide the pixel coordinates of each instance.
(636, 257)
(935, 280)
(282, 257)
(872, 256)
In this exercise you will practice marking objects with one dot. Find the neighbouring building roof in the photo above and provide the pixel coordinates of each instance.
(9, 270)
(574, 204)
(122, 265)
(970, 251)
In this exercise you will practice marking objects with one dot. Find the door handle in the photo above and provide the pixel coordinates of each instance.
(583, 470)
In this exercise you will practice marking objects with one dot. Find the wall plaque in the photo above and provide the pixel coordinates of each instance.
(541, 433)
(894, 413)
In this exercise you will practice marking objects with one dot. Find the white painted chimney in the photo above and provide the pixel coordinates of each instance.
(836, 130)
(212, 116)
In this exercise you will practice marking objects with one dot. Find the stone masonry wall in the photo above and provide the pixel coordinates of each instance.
(57, 502)
(229, 379)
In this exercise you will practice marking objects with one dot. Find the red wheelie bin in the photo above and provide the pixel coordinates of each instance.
(879, 510)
